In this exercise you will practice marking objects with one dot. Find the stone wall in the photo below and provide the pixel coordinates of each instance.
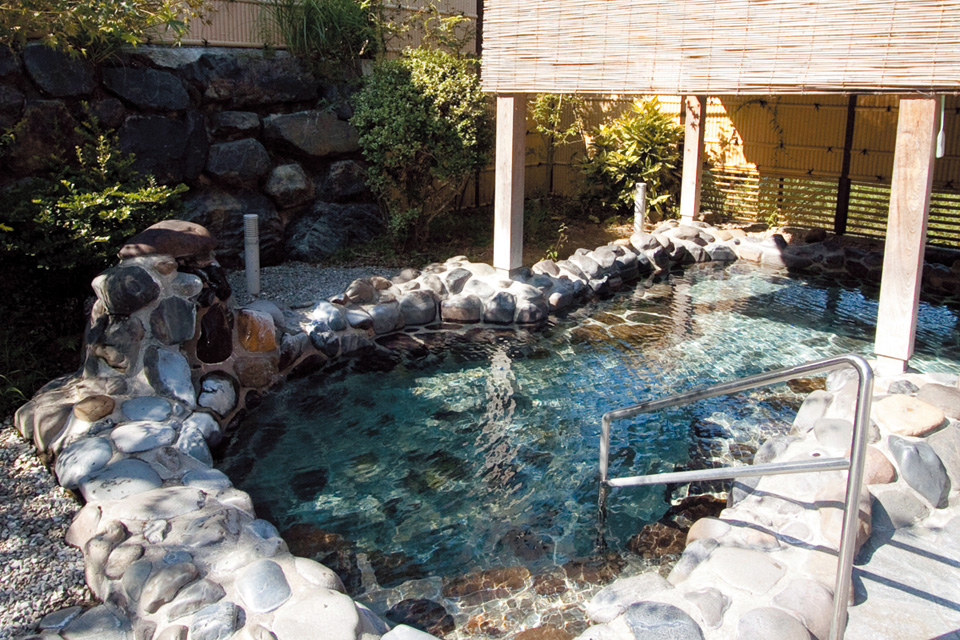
(249, 132)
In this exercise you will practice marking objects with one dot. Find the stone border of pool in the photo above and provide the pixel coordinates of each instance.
(170, 546)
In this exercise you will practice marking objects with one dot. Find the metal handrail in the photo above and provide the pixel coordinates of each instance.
(854, 463)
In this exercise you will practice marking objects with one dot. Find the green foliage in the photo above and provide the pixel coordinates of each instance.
(95, 28)
(80, 217)
(642, 145)
(424, 128)
(327, 30)
(547, 112)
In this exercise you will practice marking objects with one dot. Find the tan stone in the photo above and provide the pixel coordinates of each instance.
(907, 416)
(256, 331)
(707, 528)
(877, 468)
(92, 408)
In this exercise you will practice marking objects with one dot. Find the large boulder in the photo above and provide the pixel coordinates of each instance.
(289, 185)
(312, 133)
(45, 131)
(252, 80)
(177, 238)
(171, 149)
(328, 227)
(233, 125)
(57, 73)
(346, 180)
(238, 163)
(147, 88)
(222, 213)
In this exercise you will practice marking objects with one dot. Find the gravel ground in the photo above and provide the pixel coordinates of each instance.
(299, 284)
(39, 573)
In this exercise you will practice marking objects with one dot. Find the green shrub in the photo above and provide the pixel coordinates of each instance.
(77, 220)
(318, 30)
(95, 28)
(424, 128)
(642, 145)
(547, 112)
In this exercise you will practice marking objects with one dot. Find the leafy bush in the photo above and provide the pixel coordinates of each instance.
(94, 28)
(424, 128)
(337, 30)
(642, 145)
(547, 111)
(79, 218)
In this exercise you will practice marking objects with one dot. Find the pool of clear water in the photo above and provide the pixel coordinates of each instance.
(476, 449)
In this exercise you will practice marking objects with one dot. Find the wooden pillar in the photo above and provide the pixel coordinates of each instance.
(508, 196)
(695, 108)
(910, 188)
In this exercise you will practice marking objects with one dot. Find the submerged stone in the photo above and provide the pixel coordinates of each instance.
(425, 615)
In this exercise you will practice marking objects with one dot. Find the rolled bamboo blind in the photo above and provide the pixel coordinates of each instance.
(721, 46)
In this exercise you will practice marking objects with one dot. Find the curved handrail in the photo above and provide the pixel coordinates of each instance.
(855, 463)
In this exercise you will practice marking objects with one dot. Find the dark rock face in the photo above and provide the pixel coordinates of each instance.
(124, 290)
(422, 614)
(345, 181)
(8, 61)
(222, 213)
(56, 73)
(315, 134)
(252, 81)
(238, 163)
(176, 238)
(327, 228)
(147, 88)
(289, 186)
(233, 125)
(216, 335)
(170, 149)
(45, 130)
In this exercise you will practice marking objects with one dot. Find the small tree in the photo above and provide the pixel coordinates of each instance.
(424, 128)
(642, 145)
(95, 29)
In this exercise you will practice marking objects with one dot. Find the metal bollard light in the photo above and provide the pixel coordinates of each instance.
(251, 252)
(639, 207)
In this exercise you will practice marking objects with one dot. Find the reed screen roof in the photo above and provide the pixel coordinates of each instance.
(721, 47)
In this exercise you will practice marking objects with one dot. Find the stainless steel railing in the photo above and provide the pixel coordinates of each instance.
(854, 464)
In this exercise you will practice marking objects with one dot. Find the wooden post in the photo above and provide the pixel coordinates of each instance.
(695, 108)
(508, 194)
(910, 188)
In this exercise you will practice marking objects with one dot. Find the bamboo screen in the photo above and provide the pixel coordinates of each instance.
(244, 23)
(721, 47)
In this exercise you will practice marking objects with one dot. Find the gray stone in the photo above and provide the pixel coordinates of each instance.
(946, 444)
(945, 398)
(531, 311)
(809, 601)
(921, 468)
(358, 318)
(461, 308)
(771, 449)
(262, 529)
(193, 598)
(590, 267)
(456, 279)
(173, 632)
(330, 314)
(432, 282)
(59, 619)
(613, 599)
(834, 433)
(289, 185)
(119, 480)
(902, 386)
(99, 623)
(57, 73)
(174, 320)
(325, 341)
(133, 437)
(643, 241)
(218, 393)
(221, 211)
(80, 459)
(711, 604)
(168, 372)
(206, 424)
(317, 574)
(210, 480)
(231, 125)
(478, 288)
(386, 317)
(124, 290)
(768, 622)
(418, 307)
(215, 622)
(813, 408)
(192, 443)
(253, 79)
(120, 560)
(162, 504)
(895, 507)
(659, 621)
(500, 308)
(345, 180)
(162, 586)
(315, 134)
(333, 612)
(548, 267)
(695, 553)
(721, 253)
(147, 88)
(135, 577)
(263, 587)
(147, 408)
(238, 163)
(327, 228)
(752, 571)
(170, 149)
